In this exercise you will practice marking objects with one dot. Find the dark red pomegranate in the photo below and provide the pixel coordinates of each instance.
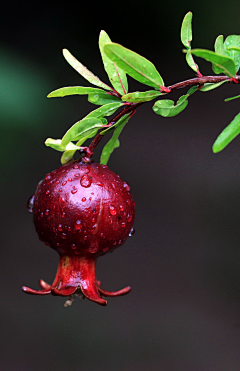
(83, 211)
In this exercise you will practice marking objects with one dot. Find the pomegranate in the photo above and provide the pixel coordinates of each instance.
(82, 210)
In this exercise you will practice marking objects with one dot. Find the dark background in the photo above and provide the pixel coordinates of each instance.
(183, 263)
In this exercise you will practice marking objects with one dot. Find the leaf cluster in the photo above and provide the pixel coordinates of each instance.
(120, 62)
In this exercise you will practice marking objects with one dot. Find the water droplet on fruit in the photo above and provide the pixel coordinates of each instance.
(100, 184)
(94, 247)
(30, 203)
(60, 190)
(112, 210)
(63, 214)
(69, 229)
(85, 181)
(70, 179)
(73, 246)
(85, 238)
(63, 183)
(131, 233)
(47, 192)
(126, 186)
(123, 224)
(129, 218)
(48, 176)
(121, 208)
(73, 191)
(93, 220)
(63, 236)
(47, 212)
(77, 175)
(75, 167)
(59, 227)
(105, 249)
(101, 234)
(57, 182)
(84, 199)
(78, 225)
(61, 199)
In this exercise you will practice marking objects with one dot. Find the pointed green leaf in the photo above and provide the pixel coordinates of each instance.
(80, 68)
(102, 98)
(141, 96)
(106, 110)
(228, 99)
(81, 128)
(224, 64)
(112, 143)
(191, 62)
(166, 107)
(72, 90)
(218, 46)
(56, 144)
(134, 65)
(227, 135)
(67, 156)
(186, 30)
(116, 75)
(232, 49)
(211, 86)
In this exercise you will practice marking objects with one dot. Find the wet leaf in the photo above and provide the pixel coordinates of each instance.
(140, 96)
(227, 135)
(73, 90)
(80, 68)
(166, 107)
(221, 63)
(119, 122)
(134, 65)
(112, 143)
(67, 156)
(232, 49)
(116, 75)
(83, 128)
(186, 30)
(102, 98)
(105, 110)
(210, 86)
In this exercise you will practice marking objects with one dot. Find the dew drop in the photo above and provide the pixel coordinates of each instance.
(121, 208)
(101, 234)
(105, 249)
(84, 199)
(59, 227)
(78, 225)
(94, 211)
(30, 203)
(77, 175)
(129, 218)
(126, 186)
(63, 183)
(131, 233)
(73, 246)
(73, 191)
(69, 229)
(85, 238)
(61, 199)
(119, 242)
(58, 244)
(93, 220)
(57, 182)
(41, 215)
(63, 236)
(86, 181)
(60, 190)
(47, 192)
(70, 179)
(123, 224)
(63, 214)
(90, 198)
(112, 210)
(47, 212)
(128, 201)
(100, 184)
(48, 176)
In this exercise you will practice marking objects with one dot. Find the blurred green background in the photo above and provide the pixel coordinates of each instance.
(183, 263)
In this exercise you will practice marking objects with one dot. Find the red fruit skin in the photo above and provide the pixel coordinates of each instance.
(82, 210)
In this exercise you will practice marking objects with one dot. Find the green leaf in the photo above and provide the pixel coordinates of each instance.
(227, 135)
(119, 122)
(186, 30)
(218, 46)
(72, 90)
(141, 96)
(83, 128)
(116, 75)
(191, 62)
(67, 156)
(222, 63)
(211, 86)
(80, 68)
(228, 99)
(102, 98)
(112, 143)
(134, 65)
(106, 110)
(56, 144)
(166, 107)
(232, 49)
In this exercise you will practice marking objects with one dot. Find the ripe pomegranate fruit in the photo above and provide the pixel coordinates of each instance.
(83, 211)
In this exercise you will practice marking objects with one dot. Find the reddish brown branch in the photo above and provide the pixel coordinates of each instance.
(201, 81)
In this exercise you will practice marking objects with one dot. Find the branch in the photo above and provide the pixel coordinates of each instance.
(202, 80)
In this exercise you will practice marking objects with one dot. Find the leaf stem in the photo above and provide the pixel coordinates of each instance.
(201, 81)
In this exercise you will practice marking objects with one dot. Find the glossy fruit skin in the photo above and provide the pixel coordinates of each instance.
(83, 211)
